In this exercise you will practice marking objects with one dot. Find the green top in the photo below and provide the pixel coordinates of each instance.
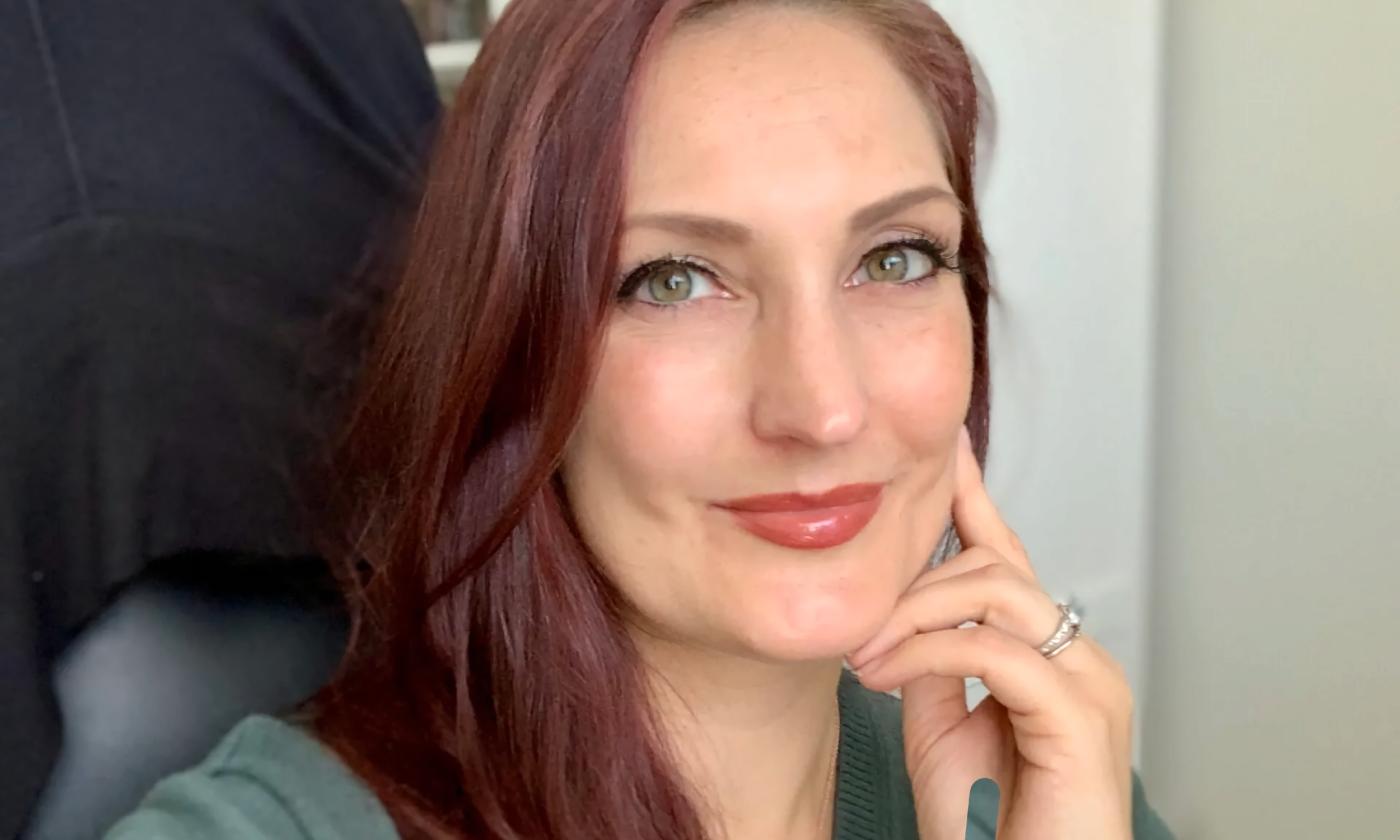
(270, 780)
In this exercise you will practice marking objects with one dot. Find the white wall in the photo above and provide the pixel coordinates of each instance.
(1070, 204)
(1275, 683)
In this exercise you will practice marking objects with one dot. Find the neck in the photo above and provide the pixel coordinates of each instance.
(755, 740)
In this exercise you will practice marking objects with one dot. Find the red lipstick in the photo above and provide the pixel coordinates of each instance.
(795, 520)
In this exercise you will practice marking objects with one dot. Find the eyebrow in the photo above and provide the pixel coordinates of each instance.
(725, 231)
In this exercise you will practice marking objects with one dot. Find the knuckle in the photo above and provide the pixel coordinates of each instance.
(1122, 694)
(1001, 571)
(1116, 672)
(1100, 731)
(1117, 689)
(977, 557)
(1004, 573)
(928, 576)
(1120, 675)
(987, 641)
(1093, 725)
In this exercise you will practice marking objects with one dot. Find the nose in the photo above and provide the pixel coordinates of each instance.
(808, 375)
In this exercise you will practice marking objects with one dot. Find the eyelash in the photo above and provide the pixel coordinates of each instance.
(933, 247)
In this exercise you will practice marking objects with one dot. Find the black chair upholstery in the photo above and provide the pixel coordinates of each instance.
(178, 658)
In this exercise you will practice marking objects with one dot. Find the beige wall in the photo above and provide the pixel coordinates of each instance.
(1274, 677)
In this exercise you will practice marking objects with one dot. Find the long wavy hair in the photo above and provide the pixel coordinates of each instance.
(490, 689)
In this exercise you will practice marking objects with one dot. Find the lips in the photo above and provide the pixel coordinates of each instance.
(795, 520)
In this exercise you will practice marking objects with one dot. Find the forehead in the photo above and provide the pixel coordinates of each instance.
(780, 96)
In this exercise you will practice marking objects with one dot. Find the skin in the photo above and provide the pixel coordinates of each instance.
(791, 368)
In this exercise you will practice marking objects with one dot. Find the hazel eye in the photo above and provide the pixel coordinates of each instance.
(897, 263)
(669, 283)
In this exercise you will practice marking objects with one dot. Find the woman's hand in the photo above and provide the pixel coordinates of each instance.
(1055, 734)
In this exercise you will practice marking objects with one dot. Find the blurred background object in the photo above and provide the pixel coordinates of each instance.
(450, 20)
(188, 190)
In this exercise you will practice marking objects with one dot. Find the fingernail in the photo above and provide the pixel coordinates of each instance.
(862, 655)
(866, 672)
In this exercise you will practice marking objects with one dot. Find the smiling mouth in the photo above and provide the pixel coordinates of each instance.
(801, 521)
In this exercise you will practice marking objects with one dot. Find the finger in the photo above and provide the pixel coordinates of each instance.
(933, 704)
(994, 594)
(986, 751)
(1074, 661)
(1019, 677)
(965, 561)
(975, 516)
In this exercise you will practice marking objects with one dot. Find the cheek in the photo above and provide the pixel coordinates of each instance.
(653, 427)
(923, 398)
(922, 382)
(658, 409)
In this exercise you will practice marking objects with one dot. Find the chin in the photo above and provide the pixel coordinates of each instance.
(813, 626)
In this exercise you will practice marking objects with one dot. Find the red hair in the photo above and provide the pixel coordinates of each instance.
(490, 689)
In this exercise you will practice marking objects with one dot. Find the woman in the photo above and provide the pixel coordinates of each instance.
(665, 420)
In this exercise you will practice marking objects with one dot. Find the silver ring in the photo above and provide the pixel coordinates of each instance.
(1064, 635)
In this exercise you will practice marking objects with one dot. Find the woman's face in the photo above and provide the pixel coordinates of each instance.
(807, 337)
